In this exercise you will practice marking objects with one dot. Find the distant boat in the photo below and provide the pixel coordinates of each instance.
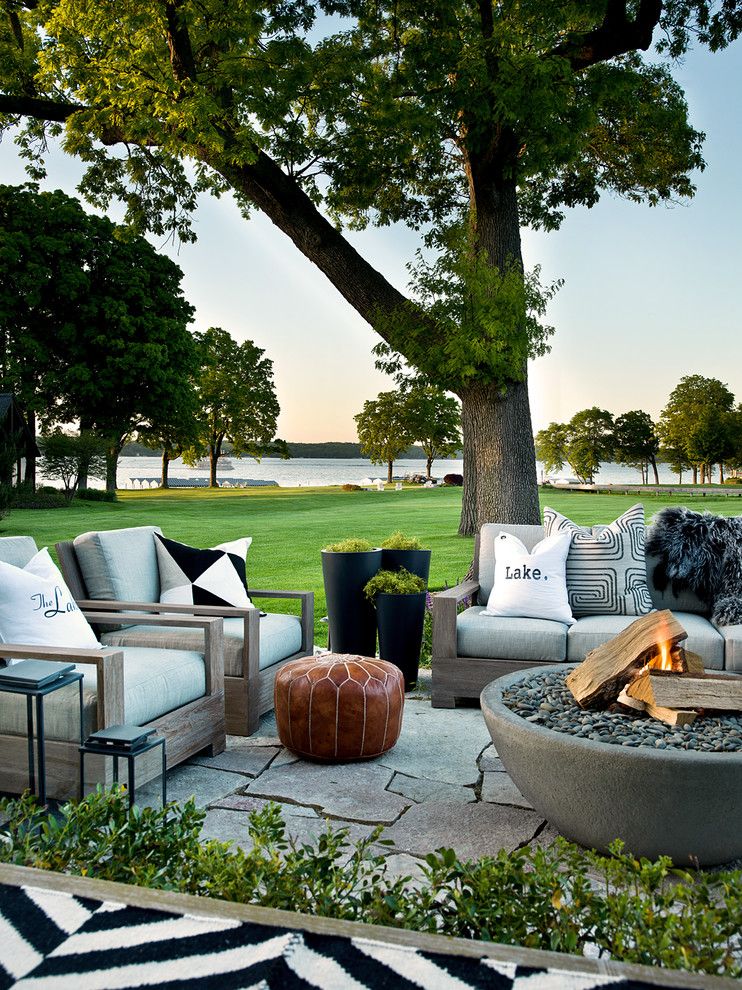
(222, 465)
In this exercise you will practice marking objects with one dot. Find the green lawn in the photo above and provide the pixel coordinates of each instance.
(289, 526)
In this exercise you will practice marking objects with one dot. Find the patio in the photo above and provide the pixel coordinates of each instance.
(441, 785)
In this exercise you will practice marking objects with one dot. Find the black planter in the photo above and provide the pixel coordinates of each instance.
(414, 561)
(400, 619)
(351, 615)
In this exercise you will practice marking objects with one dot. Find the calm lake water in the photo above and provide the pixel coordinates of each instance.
(314, 472)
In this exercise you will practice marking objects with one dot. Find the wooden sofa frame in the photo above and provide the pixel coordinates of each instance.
(193, 728)
(247, 697)
(453, 676)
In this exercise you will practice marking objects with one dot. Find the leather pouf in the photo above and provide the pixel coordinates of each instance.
(339, 707)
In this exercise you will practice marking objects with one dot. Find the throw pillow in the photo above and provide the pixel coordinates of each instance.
(606, 568)
(189, 576)
(530, 584)
(37, 609)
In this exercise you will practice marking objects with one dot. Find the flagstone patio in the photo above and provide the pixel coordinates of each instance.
(441, 785)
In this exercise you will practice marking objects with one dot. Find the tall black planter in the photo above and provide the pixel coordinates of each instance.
(414, 561)
(400, 619)
(351, 615)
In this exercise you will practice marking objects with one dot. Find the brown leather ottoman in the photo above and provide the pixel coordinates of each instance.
(339, 707)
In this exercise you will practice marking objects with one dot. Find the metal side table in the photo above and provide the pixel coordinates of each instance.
(12, 681)
(113, 742)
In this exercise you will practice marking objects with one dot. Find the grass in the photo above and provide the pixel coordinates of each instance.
(290, 525)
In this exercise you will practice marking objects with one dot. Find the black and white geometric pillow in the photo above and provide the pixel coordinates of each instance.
(606, 567)
(189, 576)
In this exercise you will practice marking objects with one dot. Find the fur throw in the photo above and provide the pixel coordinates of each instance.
(703, 552)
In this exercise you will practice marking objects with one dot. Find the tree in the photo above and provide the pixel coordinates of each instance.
(175, 437)
(636, 443)
(237, 401)
(590, 442)
(95, 323)
(70, 456)
(551, 446)
(691, 409)
(435, 422)
(436, 114)
(385, 429)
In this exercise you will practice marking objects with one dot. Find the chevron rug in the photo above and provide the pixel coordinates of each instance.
(51, 940)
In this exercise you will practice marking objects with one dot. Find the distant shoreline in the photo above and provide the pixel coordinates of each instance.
(330, 450)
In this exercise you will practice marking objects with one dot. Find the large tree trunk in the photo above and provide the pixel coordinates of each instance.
(429, 468)
(497, 424)
(164, 483)
(112, 461)
(389, 469)
(215, 452)
(654, 468)
(82, 481)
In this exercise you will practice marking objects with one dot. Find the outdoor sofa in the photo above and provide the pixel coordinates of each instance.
(114, 570)
(471, 649)
(178, 692)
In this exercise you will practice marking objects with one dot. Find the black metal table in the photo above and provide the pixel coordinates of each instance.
(39, 693)
(128, 753)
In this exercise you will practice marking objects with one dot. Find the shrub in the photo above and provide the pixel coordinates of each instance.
(398, 541)
(351, 488)
(558, 897)
(453, 479)
(399, 582)
(46, 497)
(96, 495)
(351, 545)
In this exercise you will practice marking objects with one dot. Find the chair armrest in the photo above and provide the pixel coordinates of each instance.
(213, 628)
(219, 611)
(109, 665)
(444, 617)
(458, 593)
(262, 593)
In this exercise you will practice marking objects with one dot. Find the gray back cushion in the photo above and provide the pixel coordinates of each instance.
(528, 535)
(120, 564)
(17, 550)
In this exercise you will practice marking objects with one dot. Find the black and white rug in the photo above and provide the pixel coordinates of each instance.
(51, 940)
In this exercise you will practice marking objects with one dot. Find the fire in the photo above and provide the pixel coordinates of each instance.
(664, 660)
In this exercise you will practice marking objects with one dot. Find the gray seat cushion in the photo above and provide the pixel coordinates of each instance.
(155, 682)
(494, 638)
(280, 637)
(732, 636)
(594, 630)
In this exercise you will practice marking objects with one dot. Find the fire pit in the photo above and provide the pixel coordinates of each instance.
(664, 785)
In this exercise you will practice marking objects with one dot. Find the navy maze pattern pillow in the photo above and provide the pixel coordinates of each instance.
(189, 576)
(606, 568)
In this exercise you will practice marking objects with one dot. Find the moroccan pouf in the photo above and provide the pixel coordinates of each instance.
(339, 707)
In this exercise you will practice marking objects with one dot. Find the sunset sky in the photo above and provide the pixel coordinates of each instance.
(650, 294)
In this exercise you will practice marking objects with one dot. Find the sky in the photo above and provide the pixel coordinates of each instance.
(650, 294)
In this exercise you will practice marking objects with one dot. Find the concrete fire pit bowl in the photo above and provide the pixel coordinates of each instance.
(678, 803)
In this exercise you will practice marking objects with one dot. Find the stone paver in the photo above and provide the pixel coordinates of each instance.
(354, 791)
(439, 744)
(247, 804)
(203, 783)
(499, 788)
(489, 760)
(472, 830)
(231, 826)
(283, 759)
(247, 760)
(430, 790)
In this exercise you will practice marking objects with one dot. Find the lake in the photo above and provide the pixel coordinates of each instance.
(316, 472)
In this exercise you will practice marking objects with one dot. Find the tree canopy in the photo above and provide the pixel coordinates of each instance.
(698, 425)
(385, 429)
(236, 400)
(470, 117)
(435, 422)
(94, 324)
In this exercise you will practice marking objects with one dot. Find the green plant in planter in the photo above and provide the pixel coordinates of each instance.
(398, 541)
(393, 583)
(351, 545)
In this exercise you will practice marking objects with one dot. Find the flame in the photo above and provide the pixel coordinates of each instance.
(664, 660)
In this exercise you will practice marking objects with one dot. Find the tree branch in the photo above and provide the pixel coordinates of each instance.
(41, 109)
(617, 35)
(179, 42)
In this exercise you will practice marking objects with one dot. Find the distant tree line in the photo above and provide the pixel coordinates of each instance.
(700, 427)
(95, 331)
